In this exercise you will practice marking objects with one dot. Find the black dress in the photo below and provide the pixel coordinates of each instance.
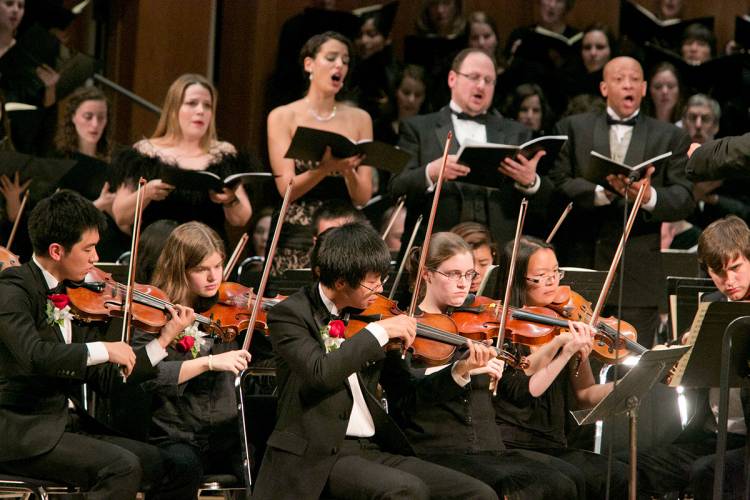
(181, 205)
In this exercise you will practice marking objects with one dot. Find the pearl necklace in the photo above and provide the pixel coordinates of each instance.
(317, 116)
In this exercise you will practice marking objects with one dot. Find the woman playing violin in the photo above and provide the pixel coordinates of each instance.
(195, 412)
(455, 425)
(532, 412)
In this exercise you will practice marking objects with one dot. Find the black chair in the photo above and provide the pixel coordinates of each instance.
(27, 486)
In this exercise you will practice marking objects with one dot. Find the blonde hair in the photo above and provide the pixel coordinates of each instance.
(169, 124)
(185, 248)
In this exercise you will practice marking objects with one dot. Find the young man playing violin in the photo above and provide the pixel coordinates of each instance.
(45, 357)
(688, 463)
(332, 435)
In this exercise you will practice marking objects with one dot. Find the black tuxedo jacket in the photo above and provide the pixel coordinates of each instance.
(39, 371)
(424, 137)
(315, 400)
(727, 157)
(591, 235)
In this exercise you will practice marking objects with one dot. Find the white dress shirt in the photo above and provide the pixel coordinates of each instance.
(622, 134)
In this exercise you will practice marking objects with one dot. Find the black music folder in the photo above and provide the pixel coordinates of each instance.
(600, 166)
(484, 157)
(201, 180)
(309, 144)
(641, 25)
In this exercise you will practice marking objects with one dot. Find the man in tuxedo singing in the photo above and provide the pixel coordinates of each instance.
(472, 83)
(45, 357)
(332, 436)
(590, 236)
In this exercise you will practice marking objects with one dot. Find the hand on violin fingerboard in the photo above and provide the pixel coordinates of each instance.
(581, 339)
(180, 318)
(400, 327)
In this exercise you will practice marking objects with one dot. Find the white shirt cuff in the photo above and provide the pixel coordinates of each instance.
(97, 353)
(600, 196)
(533, 188)
(378, 332)
(155, 352)
(462, 381)
(430, 184)
(649, 207)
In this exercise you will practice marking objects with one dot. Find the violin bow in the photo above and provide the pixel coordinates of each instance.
(511, 273)
(563, 215)
(428, 230)
(402, 265)
(18, 219)
(127, 307)
(618, 255)
(229, 267)
(267, 268)
(394, 216)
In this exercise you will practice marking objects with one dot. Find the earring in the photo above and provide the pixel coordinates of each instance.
(310, 76)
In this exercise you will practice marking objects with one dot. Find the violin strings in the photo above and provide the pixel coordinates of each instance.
(155, 302)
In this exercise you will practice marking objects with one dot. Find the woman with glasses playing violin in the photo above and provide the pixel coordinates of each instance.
(194, 418)
(455, 426)
(532, 412)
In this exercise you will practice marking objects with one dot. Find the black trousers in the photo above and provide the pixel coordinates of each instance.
(363, 471)
(105, 467)
(689, 467)
(519, 474)
(594, 469)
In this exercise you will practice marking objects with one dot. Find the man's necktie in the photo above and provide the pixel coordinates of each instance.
(628, 123)
(482, 119)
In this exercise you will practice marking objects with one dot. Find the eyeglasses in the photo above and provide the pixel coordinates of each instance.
(375, 288)
(547, 279)
(457, 275)
(476, 78)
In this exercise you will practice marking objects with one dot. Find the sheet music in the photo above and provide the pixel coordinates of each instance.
(690, 339)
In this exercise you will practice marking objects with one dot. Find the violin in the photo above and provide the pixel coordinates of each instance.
(573, 306)
(480, 320)
(231, 311)
(8, 259)
(437, 334)
(104, 298)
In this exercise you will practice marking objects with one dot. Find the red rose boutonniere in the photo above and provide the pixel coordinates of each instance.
(58, 309)
(333, 334)
(190, 340)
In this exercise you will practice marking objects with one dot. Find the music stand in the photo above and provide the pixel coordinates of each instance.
(652, 367)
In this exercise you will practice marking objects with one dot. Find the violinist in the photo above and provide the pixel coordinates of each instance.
(46, 356)
(532, 412)
(687, 463)
(194, 420)
(454, 425)
(332, 436)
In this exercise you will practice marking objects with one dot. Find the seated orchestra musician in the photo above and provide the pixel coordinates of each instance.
(532, 411)
(687, 464)
(453, 424)
(194, 415)
(332, 435)
(46, 354)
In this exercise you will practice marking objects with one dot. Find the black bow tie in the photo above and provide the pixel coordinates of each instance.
(628, 123)
(62, 287)
(476, 118)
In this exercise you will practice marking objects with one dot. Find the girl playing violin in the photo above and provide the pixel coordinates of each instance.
(194, 419)
(531, 411)
(455, 426)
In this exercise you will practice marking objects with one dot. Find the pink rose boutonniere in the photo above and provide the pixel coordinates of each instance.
(333, 334)
(58, 309)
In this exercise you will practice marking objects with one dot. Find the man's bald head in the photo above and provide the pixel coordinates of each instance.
(621, 62)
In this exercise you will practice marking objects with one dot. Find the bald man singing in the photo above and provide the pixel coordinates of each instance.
(623, 133)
